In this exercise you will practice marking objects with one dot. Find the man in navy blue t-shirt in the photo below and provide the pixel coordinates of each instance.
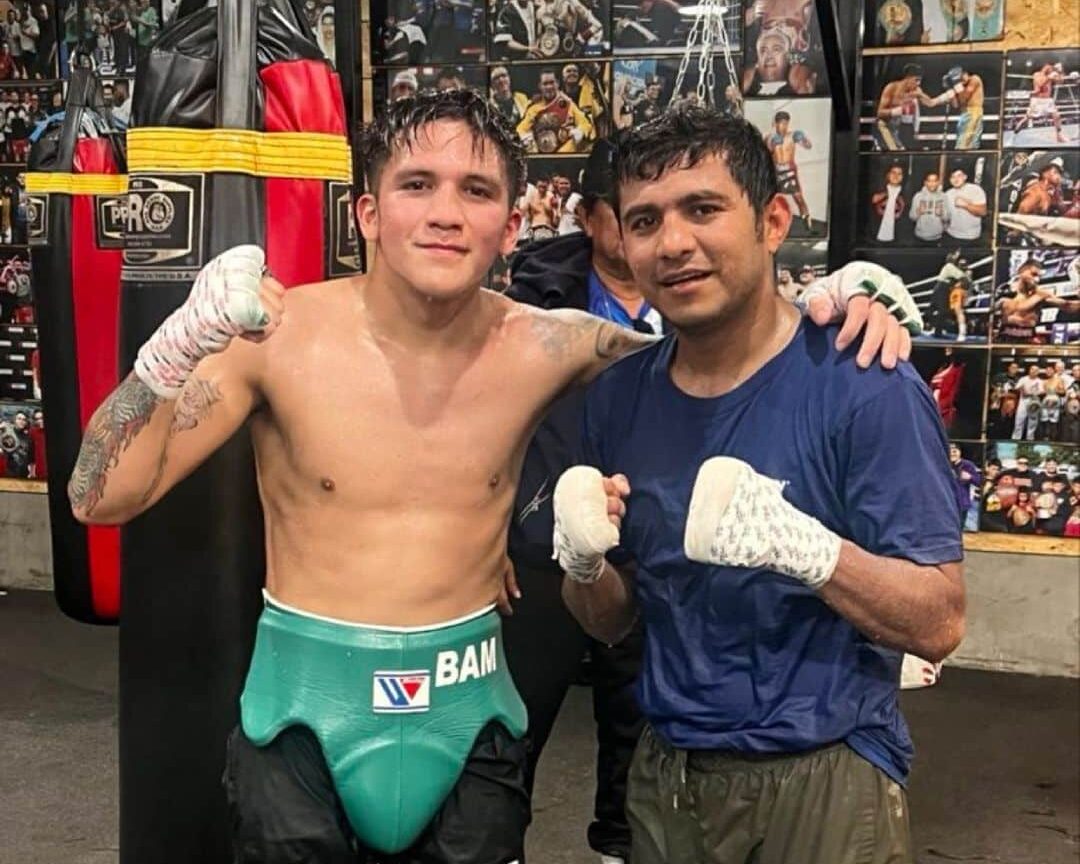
(779, 584)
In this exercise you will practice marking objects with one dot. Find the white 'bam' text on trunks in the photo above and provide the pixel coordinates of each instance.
(452, 667)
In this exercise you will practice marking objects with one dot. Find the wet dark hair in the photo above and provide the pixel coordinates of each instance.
(682, 137)
(403, 120)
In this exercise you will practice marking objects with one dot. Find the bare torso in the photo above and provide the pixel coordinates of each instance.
(540, 210)
(783, 150)
(387, 476)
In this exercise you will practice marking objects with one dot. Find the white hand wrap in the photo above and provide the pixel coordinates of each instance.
(739, 518)
(583, 531)
(872, 280)
(223, 303)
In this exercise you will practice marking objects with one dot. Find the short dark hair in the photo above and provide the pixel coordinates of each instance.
(683, 136)
(598, 180)
(781, 115)
(403, 119)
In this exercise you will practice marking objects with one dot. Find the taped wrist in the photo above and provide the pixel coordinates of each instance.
(223, 303)
(583, 531)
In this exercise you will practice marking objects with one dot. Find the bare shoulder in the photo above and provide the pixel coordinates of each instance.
(580, 342)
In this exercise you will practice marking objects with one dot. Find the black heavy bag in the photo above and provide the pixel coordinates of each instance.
(75, 187)
(237, 136)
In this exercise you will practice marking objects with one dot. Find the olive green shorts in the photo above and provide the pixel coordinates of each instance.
(828, 806)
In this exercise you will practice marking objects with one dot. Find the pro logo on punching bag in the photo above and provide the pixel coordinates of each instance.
(37, 220)
(164, 236)
(109, 220)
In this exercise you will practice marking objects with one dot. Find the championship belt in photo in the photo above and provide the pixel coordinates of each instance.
(548, 132)
(238, 136)
(76, 192)
(548, 40)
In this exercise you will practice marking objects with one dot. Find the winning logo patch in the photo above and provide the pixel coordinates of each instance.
(401, 692)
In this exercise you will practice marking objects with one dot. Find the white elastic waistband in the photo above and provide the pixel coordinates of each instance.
(284, 607)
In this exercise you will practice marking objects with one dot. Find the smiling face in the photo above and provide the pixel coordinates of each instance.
(441, 211)
(694, 244)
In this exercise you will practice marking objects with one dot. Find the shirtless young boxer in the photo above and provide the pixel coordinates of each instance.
(898, 110)
(1042, 101)
(782, 143)
(395, 516)
(1020, 313)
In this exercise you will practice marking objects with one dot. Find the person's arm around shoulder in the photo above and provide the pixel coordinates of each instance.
(193, 386)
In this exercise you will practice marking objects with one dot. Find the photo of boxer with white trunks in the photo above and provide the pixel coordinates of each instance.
(378, 718)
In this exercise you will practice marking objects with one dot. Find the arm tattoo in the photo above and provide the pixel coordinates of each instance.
(556, 336)
(192, 407)
(614, 341)
(194, 404)
(110, 431)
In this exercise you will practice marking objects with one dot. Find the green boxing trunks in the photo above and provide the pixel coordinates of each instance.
(396, 710)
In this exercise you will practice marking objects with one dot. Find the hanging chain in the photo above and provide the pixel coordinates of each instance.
(707, 33)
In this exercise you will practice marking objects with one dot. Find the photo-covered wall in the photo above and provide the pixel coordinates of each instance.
(969, 189)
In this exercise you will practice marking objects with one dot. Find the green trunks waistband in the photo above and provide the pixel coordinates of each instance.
(396, 710)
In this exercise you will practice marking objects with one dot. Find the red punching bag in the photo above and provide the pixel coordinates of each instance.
(238, 136)
(75, 189)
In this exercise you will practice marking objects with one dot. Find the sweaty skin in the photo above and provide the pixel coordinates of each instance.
(389, 412)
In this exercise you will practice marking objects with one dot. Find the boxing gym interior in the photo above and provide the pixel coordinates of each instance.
(938, 139)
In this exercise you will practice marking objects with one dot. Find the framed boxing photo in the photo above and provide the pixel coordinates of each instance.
(16, 287)
(966, 459)
(389, 85)
(953, 290)
(1039, 198)
(663, 26)
(1037, 301)
(22, 441)
(956, 377)
(798, 264)
(22, 107)
(783, 55)
(928, 199)
(13, 205)
(1033, 395)
(33, 24)
(427, 32)
(923, 22)
(550, 205)
(931, 102)
(543, 30)
(1042, 99)
(558, 108)
(644, 87)
(798, 133)
(1031, 489)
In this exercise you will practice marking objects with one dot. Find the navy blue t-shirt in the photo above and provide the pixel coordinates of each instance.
(751, 660)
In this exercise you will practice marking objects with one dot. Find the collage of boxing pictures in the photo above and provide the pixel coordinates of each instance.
(570, 72)
(969, 189)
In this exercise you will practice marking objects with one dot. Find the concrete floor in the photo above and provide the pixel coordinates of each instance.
(997, 778)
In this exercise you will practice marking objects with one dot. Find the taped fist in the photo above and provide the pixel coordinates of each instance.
(739, 518)
(867, 295)
(232, 296)
(588, 515)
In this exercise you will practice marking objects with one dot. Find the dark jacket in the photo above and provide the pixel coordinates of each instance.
(552, 274)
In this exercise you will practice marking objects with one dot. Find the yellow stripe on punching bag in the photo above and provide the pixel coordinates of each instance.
(63, 183)
(296, 155)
